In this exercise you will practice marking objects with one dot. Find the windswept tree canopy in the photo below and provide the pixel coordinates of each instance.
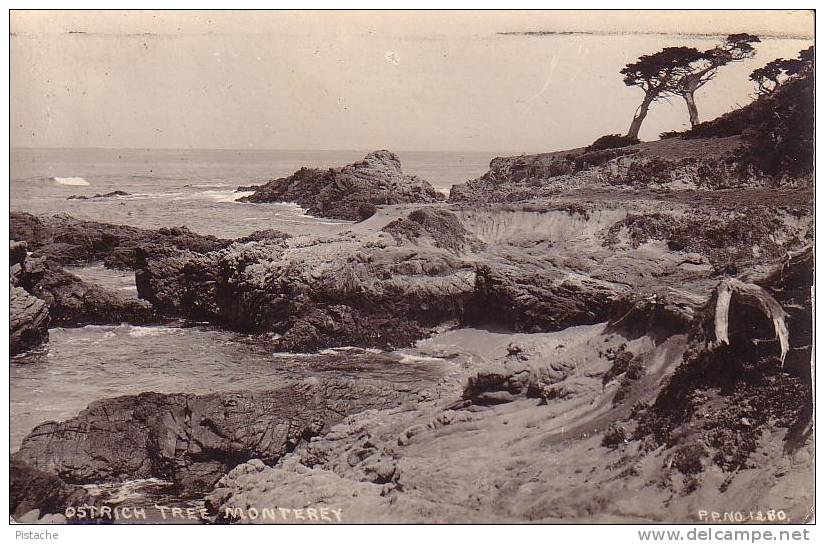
(778, 71)
(682, 71)
(657, 71)
(655, 74)
(734, 48)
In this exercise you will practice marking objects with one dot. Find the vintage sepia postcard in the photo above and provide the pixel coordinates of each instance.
(419, 267)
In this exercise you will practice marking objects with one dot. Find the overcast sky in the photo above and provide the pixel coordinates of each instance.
(360, 80)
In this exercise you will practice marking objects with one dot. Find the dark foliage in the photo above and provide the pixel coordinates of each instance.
(688, 459)
(614, 436)
(366, 210)
(612, 141)
(777, 129)
(781, 141)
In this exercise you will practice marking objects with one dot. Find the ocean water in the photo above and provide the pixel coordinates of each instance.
(195, 188)
(81, 365)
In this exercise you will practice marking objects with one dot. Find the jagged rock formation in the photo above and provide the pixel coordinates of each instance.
(35, 490)
(194, 440)
(533, 268)
(73, 302)
(28, 321)
(17, 252)
(66, 240)
(313, 293)
(28, 315)
(350, 192)
(625, 429)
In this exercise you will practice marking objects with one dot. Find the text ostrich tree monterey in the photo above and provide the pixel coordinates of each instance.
(735, 48)
(657, 75)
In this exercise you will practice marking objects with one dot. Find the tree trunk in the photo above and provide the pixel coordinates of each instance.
(691, 106)
(640, 115)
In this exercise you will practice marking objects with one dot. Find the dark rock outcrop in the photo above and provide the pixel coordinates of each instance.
(266, 235)
(527, 301)
(28, 315)
(66, 240)
(73, 302)
(104, 195)
(193, 440)
(328, 293)
(28, 321)
(350, 191)
(17, 252)
(33, 489)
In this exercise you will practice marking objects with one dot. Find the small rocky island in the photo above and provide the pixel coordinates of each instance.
(655, 359)
(350, 192)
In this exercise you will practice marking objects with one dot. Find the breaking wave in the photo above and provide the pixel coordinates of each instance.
(76, 181)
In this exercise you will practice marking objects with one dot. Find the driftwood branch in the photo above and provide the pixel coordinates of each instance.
(753, 295)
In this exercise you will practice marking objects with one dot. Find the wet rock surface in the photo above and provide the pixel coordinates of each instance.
(28, 321)
(98, 195)
(36, 490)
(350, 192)
(194, 440)
(28, 315)
(72, 302)
(313, 292)
(66, 240)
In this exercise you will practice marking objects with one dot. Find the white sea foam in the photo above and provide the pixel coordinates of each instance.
(289, 354)
(227, 196)
(343, 349)
(407, 358)
(139, 332)
(117, 492)
(146, 196)
(207, 185)
(70, 181)
(214, 195)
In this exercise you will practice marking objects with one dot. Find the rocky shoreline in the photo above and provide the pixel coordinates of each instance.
(662, 308)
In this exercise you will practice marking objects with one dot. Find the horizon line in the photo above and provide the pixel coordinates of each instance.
(694, 35)
(364, 150)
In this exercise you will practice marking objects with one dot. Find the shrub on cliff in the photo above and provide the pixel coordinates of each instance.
(442, 226)
(612, 141)
(777, 130)
(781, 140)
(366, 210)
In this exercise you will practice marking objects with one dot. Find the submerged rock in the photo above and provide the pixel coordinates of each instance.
(350, 192)
(104, 195)
(194, 439)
